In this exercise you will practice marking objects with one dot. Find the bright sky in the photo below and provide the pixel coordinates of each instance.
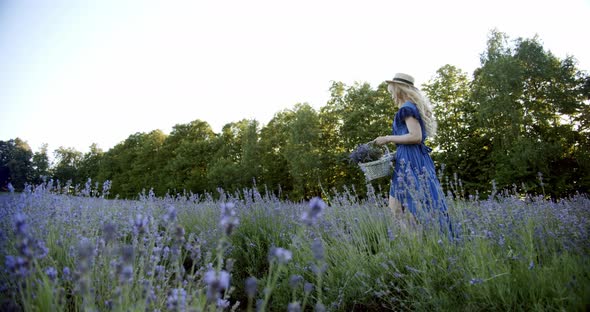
(73, 73)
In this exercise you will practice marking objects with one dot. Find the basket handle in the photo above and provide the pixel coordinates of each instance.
(384, 145)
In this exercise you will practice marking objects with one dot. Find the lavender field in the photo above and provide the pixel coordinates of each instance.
(82, 250)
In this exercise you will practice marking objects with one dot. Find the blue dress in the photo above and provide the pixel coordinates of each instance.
(414, 182)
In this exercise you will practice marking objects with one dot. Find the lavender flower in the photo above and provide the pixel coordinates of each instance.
(317, 248)
(126, 275)
(109, 232)
(307, 288)
(475, 281)
(251, 285)
(127, 254)
(106, 186)
(20, 225)
(295, 281)
(216, 283)
(283, 256)
(318, 269)
(390, 234)
(319, 307)
(51, 273)
(140, 224)
(160, 271)
(294, 307)
(176, 300)
(66, 273)
(18, 266)
(314, 212)
(222, 303)
(365, 153)
(229, 221)
(170, 215)
(179, 234)
(85, 250)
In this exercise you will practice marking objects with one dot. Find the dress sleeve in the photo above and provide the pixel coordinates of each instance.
(408, 110)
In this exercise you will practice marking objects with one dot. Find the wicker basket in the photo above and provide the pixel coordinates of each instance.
(378, 168)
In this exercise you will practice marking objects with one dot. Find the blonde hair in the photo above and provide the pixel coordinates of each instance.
(401, 92)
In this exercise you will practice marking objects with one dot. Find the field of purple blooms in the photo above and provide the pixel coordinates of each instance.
(77, 250)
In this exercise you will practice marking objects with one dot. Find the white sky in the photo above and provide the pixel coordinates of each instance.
(73, 73)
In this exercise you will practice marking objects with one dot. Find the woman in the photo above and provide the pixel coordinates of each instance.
(414, 185)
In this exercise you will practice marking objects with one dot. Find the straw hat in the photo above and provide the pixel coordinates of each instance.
(402, 78)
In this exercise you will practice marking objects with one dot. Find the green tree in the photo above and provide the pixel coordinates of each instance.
(67, 163)
(124, 165)
(187, 152)
(273, 141)
(40, 163)
(15, 163)
(352, 116)
(90, 163)
(526, 102)
(460, 145)
(146, 169)
(363, 113)
(236, 163)
(302, 151)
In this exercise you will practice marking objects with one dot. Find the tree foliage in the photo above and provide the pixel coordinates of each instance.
(15, 163)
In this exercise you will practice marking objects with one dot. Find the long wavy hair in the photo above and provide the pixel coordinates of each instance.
(401, 92)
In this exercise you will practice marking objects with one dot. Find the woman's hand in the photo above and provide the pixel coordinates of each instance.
(381, 140)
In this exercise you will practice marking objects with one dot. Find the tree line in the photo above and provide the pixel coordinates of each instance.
(521, 120)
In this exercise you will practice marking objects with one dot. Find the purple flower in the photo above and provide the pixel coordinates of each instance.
(295, 281)
(251, 284)
(176, 300)
(85, 250)
(170, 215)
(390, 234)
(140, 224)
(66, 273)
(17, 265)
(179, 234)
(40, 250)
(51, 273)
(222, 303)
(127, 254)
(475, 281)
(317, 248)
(215, 284)
(307, 288)
(126, 275)
(229, 221)
(314, 212)
(413, 270)
(20, 225)
(283, 256)
(365, 153)
(109, 232)
(294, 307)
(319, 307)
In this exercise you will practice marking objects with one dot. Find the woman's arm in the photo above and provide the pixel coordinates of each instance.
(414, 135)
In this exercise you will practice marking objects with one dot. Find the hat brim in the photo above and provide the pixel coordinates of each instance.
(400, 81)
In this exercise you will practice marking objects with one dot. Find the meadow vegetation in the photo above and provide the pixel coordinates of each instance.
(64, 251)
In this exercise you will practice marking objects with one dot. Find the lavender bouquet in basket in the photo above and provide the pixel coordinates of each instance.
(364, 153)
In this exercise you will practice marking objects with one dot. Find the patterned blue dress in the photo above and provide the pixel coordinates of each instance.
(414, 182)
